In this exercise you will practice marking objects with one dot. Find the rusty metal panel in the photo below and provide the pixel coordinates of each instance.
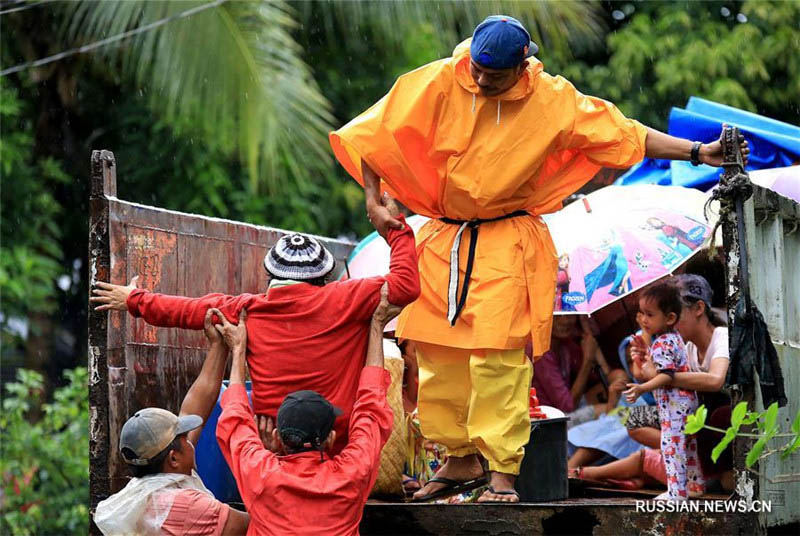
(773, 248)
(134, 365)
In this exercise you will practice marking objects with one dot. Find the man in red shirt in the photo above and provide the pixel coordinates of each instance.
(166, 495)
(305, 490)
(302, 333)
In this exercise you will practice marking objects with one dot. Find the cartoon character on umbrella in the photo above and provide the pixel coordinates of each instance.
(679, 241)
(562, 284)
(613, 271)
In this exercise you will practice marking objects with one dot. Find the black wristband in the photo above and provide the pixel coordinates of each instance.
(694, 156)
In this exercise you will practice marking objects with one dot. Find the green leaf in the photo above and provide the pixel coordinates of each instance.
(738, 414)
(796, 423)
(696, 421)
(755, 452)
(771, 416)
(752, 416)
(730, 435)
(791, 447)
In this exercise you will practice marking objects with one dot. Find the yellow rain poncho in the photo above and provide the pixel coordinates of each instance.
(444, 150)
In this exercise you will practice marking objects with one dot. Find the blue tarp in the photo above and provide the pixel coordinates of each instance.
(772, 144)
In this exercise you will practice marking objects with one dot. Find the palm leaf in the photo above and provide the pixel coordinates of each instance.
(232, 75)
(556, 24)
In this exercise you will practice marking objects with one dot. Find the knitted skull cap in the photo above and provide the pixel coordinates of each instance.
(298, 257)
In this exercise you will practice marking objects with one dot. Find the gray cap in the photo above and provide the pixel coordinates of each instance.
(150, 431)
(696, 288)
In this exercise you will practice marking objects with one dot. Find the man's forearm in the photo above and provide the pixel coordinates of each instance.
(238, 365)
(375, 346)
(203, 393)
(372, 186)
(660, 145)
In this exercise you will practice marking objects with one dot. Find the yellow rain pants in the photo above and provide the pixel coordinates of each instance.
(476, 401)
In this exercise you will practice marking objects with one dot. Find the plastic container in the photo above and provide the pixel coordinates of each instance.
(543, 475)
(211, 465)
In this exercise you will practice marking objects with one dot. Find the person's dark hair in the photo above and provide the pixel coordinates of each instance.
(715, 319)
(666, 295)
(156, 464)
(294, 444)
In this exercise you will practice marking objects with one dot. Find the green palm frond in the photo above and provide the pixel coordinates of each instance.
(233, 74)
(557, 24)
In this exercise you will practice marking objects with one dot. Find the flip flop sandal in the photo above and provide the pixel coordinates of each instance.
(490, 489)
(409, 492)
(451, 487)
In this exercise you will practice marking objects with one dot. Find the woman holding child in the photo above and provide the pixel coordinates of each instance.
(706, 347)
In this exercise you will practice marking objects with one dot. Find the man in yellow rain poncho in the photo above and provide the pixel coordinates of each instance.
(485, 142)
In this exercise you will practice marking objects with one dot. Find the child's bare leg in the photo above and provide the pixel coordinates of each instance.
(647, 436)
(584, 456)
(629, 467)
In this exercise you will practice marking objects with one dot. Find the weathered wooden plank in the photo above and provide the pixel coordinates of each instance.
(102, 184)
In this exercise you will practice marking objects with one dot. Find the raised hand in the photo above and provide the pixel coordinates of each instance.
(114, 297)
(633, 392)
(235, 336)
(384, 216)
(210, 331)
(385, 311)
(265, 427)
(711, 153)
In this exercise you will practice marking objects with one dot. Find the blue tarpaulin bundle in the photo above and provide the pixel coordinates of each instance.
(773, 144)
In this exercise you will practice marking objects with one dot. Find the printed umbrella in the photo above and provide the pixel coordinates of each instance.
(371, 257)
(621, 238)
(785, 180)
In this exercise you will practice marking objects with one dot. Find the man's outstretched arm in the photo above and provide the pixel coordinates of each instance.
(237, 434)
(203, 393)
(163, 309)
(403, 276)
(664, 146)
(377, 212)
(371, 420)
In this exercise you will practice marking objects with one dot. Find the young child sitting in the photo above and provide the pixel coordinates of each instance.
(660, 307)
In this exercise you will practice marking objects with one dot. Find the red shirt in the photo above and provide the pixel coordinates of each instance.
(193, 513)
(555, 372)
(300, 336)
(299, 493)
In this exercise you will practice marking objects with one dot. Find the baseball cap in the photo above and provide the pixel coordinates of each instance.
(305, 418)
(501, 42)
(150, 431)
(695, 287)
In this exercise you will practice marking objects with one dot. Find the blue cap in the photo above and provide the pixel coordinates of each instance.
(501, 42)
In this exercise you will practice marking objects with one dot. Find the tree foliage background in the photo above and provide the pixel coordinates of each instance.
(225, 113)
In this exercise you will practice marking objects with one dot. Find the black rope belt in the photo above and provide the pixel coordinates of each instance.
(454, 306)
